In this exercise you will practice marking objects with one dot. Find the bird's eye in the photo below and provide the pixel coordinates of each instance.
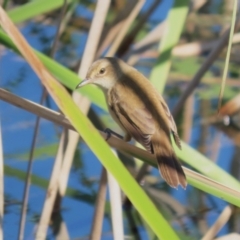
(102, 71)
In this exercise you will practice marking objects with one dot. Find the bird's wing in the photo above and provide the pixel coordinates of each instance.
(171, 122)
(135, 118)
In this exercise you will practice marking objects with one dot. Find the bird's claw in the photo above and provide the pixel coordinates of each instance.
(110, 132)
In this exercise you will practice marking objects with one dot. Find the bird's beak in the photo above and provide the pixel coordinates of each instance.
(83, 83)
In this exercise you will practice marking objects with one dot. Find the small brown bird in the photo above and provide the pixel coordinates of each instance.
(140, 111)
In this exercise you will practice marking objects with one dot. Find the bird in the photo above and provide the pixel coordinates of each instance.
(141, 113)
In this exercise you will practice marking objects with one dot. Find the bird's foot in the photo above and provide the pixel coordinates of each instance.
(110, 132)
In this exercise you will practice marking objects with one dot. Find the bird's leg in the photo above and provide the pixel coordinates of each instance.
(110, 132)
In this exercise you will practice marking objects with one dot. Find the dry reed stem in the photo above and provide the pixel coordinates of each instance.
(196, 48)
(117, 143)
(116, 209)
(46, 113)
(219, 223)
(129, 38)
(1, 185)
(111, 31)
(96, 230)
(231, 236)
(109, 38)
(129, 20)
(51, 193)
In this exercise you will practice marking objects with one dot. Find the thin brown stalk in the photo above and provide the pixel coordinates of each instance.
(220, 222)
(35, 108)
(1, 185)
(99, 208)
(203, 111)
(35, 133)
(200, 73)
(59, 29)
(29, 170)
(117, 143)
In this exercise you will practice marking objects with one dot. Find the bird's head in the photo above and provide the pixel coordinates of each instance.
(103, 73)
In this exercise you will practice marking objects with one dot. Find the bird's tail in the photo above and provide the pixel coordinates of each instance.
(169, 167)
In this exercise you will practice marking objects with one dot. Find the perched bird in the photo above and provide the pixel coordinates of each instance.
(140, 111)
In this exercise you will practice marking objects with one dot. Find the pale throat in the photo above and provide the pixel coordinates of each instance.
(105, 84)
